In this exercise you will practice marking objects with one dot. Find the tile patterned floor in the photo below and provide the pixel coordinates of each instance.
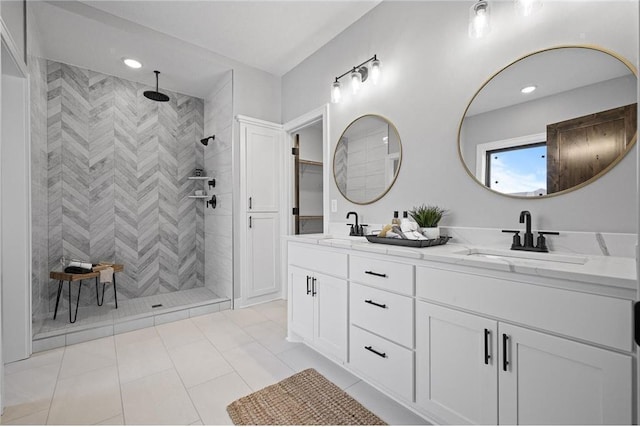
(179, 373)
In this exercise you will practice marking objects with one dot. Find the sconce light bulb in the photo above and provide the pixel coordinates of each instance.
(479, 19)
(336, 93)
(356, 81)
(375, 71)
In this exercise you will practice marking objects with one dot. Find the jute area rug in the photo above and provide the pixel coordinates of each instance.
(306, 398)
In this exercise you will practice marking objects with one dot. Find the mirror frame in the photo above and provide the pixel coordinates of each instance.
(613, 54)
(395, 176)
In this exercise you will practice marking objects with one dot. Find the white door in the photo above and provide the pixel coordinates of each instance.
(330, 314)
(263, 255)
(263, 165)
(456, 365)
(301, 318)
(550, 380)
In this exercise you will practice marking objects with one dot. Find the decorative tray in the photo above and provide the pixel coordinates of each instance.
(407, 242)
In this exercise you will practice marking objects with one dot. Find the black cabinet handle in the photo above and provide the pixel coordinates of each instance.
(368, 301)
(313, 287)
(505, 343)
(375, 274)
(487, 356)
(308, 290)
(250, 222)
(368, 347)
(250, 202)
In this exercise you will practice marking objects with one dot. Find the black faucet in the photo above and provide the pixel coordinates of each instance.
(525, 216)
(541, 246)
(356, 229)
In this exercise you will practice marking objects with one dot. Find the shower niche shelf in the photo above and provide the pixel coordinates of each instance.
(206, 196)
(200, 178)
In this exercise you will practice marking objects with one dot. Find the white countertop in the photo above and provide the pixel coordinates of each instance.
(600, 270)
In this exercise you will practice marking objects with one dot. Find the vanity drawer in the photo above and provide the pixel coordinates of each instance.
(596, 318)
(383, 274)
(323, 261)
(384, 362)
(382, 312)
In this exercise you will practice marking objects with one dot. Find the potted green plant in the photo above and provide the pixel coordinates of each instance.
(427, 218)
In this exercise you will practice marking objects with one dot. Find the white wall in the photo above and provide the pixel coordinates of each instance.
(431, 69)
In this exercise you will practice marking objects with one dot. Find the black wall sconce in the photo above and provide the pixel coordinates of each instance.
(358, 75)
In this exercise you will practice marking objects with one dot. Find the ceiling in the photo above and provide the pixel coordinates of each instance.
(193, 43)
(552, 72)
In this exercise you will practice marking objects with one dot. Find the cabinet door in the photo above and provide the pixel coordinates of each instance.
(456, 377)
(301, 317)
(331, 315)
(263, 245)
(550, 380)
(263, 158)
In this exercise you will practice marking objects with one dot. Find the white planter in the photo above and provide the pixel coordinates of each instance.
(430, 232)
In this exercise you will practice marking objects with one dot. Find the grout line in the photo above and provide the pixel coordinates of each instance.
(175, 368)
(55, 387)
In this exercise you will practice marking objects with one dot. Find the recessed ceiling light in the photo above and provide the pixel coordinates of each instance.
(528, 89)
(132, 63)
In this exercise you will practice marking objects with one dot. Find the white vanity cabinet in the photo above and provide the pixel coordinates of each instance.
(551, 380)
(463, 344)
(456, 365)
(381, 323)
(474, 369)
(318, 301)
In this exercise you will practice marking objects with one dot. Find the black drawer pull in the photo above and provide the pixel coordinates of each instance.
(368, 301)
(313, 287)
(368, 347)
(487, 356)
(308, 290)
(375, 274)
(505, 344)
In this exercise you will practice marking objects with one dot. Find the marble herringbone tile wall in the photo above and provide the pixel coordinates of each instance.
(38, 117)
(218, 225)
(117, 181)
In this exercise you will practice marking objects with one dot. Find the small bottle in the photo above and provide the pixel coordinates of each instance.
(405, 218)
(395, 220)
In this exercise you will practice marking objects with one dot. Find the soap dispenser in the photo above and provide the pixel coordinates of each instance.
(395, 220)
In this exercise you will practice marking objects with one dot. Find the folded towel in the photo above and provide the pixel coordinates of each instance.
(408, 226)
(85, 265)
(396, 229)
(106, 275)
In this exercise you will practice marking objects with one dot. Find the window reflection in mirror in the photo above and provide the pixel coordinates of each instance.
(367, 159)
(520, 170)
(583, 107)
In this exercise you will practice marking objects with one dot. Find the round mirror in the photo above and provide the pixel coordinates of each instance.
(550, 122)
(367, 159)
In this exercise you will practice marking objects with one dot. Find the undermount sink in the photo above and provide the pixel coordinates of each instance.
(539, 256)
(345, 239)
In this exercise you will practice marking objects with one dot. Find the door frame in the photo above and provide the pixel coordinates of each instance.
(9, 46)
(290, 128)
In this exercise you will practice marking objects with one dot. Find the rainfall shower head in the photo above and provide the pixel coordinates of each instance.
(205, 141)
(155, 95)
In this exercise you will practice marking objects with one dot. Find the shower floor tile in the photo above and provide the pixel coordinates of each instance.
(93, 317)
